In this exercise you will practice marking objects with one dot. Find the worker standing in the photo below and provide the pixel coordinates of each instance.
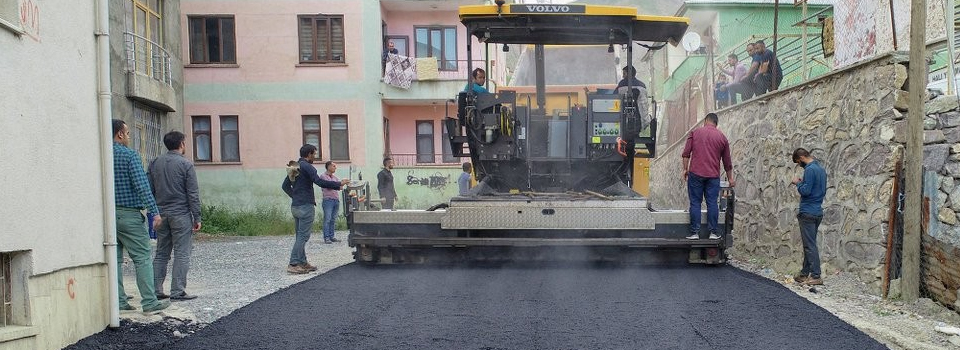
(385, 184)
(705, 149)
(812, 188)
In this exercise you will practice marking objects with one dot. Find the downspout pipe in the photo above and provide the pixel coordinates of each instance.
(106, 157)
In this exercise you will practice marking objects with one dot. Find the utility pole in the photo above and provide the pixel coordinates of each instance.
(949, 12)
(803, 39)
(776, 14)
(917, 76)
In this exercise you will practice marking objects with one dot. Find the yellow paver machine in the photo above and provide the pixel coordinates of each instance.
(552, 189)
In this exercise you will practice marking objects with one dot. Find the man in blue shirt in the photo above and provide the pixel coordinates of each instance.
(303, 205)
(132, 195)
(464, 181)
(478, 80)
(769, 73)
(812, 188)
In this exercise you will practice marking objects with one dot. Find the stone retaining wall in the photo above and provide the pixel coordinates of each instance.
(849, 120)
(853, 122)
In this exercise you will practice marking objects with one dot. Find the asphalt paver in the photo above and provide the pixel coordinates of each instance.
(516, 307)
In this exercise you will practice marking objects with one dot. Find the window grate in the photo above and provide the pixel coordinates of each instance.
(147, 132)
(6, 309)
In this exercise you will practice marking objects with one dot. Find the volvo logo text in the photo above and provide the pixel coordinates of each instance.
(547, 9)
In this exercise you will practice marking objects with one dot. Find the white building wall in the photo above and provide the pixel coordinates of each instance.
(50, 189)
(51, 197)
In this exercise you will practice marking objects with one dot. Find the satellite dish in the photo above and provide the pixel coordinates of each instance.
(690, 42)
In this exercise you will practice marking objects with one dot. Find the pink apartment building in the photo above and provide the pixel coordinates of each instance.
(262, 78)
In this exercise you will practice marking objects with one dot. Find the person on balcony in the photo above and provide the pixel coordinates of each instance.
(478, 80)
(390, 49)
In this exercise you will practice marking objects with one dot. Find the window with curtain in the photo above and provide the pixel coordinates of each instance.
(439, 42)
(229, 139)
(425, 141)
(212, 39)
(321, 38)
(311, 132)
(201, 138)
(339, 138)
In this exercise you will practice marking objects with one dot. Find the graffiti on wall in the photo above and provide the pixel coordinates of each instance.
(436, 182)
(30, 19)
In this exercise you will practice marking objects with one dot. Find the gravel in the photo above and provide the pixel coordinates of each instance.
(226, 273)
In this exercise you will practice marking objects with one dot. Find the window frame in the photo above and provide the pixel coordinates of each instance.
(315, 40)
(345, 148)
(431, 136)
(223, 135)
(443, 49)
(305, 132)
(205, 47)
(195, 134)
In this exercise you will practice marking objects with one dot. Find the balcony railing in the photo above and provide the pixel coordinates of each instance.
(460, 73)
(148, 58)
(411, 160)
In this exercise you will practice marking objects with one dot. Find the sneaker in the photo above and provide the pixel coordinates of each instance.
(161, 296)
(334, 239)
(813, 281)
(127, 307)
(714, 236)
(163, 304)
(694, 236)
(800, 278)
(327, 241)
(309, 267)
(296, 269)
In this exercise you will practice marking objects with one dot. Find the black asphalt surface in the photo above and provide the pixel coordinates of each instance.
(684, 307)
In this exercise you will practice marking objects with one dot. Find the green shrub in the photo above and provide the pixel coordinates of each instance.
(261, 221)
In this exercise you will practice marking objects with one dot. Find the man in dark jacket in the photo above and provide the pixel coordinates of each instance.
(304, 205)
(385, 184)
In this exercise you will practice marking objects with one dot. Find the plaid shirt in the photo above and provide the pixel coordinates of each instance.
(130, 186)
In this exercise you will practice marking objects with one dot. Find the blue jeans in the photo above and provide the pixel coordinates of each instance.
(809, 224)
(303, 216)
(701, 189)
(330, 207)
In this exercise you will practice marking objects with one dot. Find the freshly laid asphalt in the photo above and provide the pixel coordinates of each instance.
(656, 307)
